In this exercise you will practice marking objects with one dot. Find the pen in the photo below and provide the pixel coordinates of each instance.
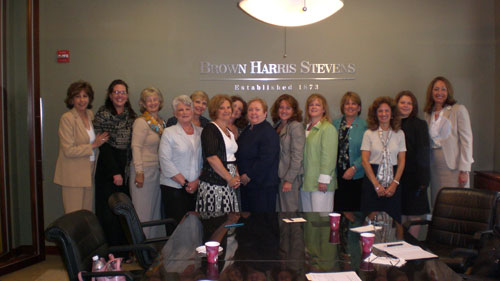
(394, 245)
(234, 225)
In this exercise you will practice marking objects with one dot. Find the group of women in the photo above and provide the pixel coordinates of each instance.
(238, 161)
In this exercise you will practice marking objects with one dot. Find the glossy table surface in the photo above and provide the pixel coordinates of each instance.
(267, 248)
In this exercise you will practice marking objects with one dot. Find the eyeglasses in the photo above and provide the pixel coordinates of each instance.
(120, 92)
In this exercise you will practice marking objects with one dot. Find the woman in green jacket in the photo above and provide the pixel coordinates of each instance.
(320, 157)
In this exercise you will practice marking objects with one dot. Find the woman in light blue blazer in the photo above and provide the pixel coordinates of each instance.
(350, 172)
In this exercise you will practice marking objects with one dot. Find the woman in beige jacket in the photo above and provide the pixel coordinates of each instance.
(77, 144)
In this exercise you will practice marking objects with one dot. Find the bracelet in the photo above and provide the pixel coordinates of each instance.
(354, 167)
(185, 183)
(397, 182)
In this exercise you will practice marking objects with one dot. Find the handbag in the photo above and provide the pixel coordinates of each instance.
(113, 264)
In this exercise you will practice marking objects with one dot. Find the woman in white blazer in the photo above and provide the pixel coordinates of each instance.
(451, 137)
(180, 161)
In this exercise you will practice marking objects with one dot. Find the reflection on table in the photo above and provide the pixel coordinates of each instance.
(267, 248)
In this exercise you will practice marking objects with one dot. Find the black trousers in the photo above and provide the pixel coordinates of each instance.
(176, 203)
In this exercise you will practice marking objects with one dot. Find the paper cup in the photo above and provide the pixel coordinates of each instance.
(212, 271)
(367, 239)
(212, 248)
(334, 221)
(334, 237)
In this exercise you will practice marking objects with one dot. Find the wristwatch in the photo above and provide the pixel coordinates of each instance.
(185, 183)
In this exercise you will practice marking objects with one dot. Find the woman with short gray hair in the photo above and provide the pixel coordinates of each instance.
(180, 161)
(144, 173)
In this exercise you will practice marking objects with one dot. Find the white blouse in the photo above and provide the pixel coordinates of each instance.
(439, 129)
(371, 142)
(92, 139)
(230, 143)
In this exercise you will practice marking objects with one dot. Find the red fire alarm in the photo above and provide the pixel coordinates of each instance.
(62, 55)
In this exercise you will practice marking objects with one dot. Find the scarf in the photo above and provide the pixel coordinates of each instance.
(385, 169)
(156, 126)
(119, 127)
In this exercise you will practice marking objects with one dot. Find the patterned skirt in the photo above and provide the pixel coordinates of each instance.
(216, 200)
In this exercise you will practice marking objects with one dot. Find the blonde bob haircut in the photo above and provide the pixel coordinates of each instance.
(214, 104)
(199, 94)
(326, 114)
(149, 91)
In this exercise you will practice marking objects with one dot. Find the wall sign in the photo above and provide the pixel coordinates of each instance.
(258, 75)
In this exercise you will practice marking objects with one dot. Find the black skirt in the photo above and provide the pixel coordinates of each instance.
(415, 201)
(348, 194)
(370, 202)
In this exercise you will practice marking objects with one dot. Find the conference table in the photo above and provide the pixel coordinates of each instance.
(263, 246)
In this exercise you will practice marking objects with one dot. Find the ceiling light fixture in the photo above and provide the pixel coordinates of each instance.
(290, 12)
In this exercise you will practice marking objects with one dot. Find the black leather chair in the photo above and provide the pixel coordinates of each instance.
(79, 237)
(121, 205)
(459, 217)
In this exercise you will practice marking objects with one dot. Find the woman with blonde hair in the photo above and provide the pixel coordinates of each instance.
(145, 173)
(320, 157)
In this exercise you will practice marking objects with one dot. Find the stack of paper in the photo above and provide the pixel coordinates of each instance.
(404, 250)
(333, 276)
(385, 260)
(366, 228)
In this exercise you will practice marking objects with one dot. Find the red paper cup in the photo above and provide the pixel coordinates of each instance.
(212, 248)
(367, 239)
(334, 237)
(334, 221)
(212, 271)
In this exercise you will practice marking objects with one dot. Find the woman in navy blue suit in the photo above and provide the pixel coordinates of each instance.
(258, 160)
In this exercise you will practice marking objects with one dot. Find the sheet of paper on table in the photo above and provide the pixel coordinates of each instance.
(294, 220)
(366, 228)
(333, 276)
(404, 250)
(385, 260)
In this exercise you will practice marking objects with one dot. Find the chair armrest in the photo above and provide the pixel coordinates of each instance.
(463, 252)
(159, 222)
(136, 247)
(409, 224)
(88, 275)
(479, 234)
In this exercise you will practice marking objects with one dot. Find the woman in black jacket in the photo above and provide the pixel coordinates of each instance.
(416, 174)
(219, 176)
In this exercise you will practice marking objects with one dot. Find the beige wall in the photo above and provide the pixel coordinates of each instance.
(394, 44)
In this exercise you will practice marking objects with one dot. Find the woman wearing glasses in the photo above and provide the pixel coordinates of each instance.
(115, 117)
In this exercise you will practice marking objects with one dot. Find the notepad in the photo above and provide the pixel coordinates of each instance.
(333, 276)
(366, 228)
(294, 220)
(404, 250)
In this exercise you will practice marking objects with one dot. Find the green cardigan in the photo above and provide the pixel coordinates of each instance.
(320, 156)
